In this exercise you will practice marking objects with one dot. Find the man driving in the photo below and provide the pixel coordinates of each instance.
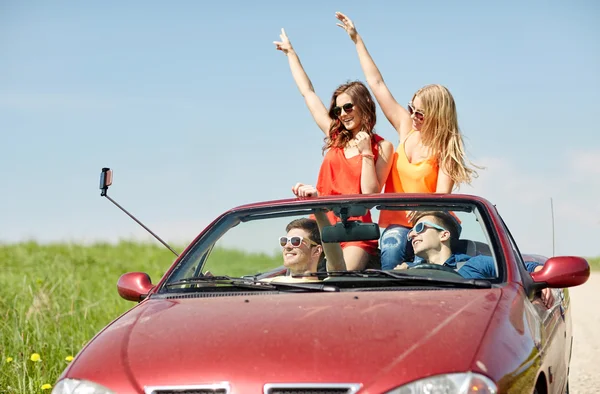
(434, 237)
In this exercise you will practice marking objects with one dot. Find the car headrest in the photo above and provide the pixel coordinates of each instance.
(472, 248)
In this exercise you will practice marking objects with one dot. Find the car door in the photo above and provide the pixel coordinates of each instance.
(550, 332)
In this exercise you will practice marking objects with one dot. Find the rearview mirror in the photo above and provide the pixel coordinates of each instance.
(347, 211)
(350, 231)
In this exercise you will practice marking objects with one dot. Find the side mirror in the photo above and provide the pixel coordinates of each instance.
(562, 271)
(350, 231)
(134, 286)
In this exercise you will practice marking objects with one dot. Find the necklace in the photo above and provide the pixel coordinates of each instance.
(351, 144)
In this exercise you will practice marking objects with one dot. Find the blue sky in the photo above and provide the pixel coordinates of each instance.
(196, 112)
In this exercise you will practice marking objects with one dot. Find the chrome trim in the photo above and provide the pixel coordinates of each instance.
(351, 387)
(213, 386)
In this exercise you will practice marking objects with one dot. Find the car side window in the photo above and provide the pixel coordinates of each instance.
(514, 247)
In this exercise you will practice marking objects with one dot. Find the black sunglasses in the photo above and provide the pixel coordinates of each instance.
(348, 108)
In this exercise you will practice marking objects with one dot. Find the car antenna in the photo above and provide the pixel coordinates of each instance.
(105, 182)
(553, 237)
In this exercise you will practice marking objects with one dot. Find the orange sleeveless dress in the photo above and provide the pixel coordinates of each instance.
(341, 175)
(407, 177)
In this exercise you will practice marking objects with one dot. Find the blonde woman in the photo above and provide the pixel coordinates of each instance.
(430, 157)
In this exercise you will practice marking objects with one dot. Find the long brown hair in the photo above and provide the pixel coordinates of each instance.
(441, 134)
(339, 136)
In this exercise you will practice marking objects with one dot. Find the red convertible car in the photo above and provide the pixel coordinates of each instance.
(232, 315)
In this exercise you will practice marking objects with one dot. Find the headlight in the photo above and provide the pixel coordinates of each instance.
(76, 386)
(455, 383)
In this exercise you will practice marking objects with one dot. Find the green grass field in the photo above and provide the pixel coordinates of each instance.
(54, 298)
(594, 263)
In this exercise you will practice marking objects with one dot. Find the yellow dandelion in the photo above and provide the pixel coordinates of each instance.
(35, 357)
(69, 358)
(46, 386)
(9, 359)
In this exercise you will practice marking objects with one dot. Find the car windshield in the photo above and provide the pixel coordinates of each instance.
(445, 242)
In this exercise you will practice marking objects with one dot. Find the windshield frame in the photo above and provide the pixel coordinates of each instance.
(200, 249)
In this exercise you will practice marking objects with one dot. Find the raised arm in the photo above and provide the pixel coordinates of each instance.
(333, 251)
(397, 115)
(313, 102)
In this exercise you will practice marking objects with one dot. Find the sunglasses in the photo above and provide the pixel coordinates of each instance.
(295, 241)
(348, 108)
(419, 115)
(422, 226)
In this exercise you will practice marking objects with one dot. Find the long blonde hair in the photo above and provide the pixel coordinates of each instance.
(441, 134)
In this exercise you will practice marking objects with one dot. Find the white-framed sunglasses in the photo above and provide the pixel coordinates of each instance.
(295, 241)
(420, 115)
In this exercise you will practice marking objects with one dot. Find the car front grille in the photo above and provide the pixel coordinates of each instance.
(312, 388)
(278, 388)
(308, 391)
(219, 388)
(193, 391)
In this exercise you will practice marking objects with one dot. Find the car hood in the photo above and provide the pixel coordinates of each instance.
(301, 337)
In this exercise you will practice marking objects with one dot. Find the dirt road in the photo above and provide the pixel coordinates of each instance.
(584, 377)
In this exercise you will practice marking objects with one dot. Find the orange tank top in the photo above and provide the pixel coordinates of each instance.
(407, 177)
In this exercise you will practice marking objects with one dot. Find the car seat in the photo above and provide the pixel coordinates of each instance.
(472, 248)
